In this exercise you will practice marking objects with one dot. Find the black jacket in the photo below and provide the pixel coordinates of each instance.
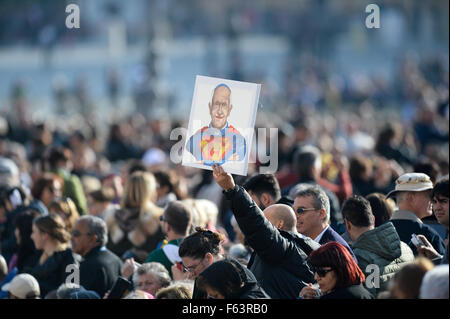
(99, 270)
(279, 262)
(52, 273)
(351, 292)
(252, 290)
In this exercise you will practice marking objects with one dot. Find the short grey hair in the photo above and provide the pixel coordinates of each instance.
(320, 198)
(297, 189)
(96, 226)
(435, 283)
(156, 269)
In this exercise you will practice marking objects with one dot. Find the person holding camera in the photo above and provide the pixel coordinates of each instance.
(439, 200)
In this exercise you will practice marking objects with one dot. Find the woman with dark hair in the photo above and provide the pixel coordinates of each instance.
(27, 256)
(47, 187)
(381, 208)
(228, 279)
(13, 201)
(198, 251)
(337, 274)
(50, 235)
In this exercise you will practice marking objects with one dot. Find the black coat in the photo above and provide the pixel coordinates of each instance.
(52, 273)
(252, 290)
(99, 270)
(351, 292)
(279, 262)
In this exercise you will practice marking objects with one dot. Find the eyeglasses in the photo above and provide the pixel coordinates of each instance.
(321, 272)
(302, 210)
(190, 268)
(161, 218)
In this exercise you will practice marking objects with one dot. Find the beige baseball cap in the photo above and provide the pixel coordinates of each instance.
(412, 182)
(23, 286)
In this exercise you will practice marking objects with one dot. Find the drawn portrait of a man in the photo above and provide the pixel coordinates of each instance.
(219, 142)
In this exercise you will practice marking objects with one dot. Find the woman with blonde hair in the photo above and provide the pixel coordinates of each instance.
(66, 209)
(134, 229)
(49, 234)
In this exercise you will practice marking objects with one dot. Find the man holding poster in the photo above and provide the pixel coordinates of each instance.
(219, 142)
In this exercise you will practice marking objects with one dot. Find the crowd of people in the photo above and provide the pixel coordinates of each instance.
(66, 235)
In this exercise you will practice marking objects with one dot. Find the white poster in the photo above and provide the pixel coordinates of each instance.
(221, 124)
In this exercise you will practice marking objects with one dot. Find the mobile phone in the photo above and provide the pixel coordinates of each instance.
(120, 289)
(416, 240)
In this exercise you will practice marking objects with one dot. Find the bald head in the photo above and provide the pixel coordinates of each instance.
(220, 106)
(281, 216)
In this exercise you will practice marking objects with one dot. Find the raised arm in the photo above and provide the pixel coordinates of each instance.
(260, 234)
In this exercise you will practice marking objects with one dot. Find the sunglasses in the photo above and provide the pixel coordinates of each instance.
(76, 233)
(321, 272)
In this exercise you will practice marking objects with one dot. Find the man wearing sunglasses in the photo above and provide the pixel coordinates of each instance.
(312, 208)
(99, 268)
(280, 261)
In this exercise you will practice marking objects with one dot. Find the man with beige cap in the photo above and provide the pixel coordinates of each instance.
(23, 286)
(413, 195)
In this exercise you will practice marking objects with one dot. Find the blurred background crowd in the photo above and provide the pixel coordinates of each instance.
(82, 109)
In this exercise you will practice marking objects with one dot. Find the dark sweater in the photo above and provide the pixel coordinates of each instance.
(99, 270)
(52, 273)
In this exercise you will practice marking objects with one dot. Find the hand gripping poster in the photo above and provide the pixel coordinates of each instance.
(221, 124)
